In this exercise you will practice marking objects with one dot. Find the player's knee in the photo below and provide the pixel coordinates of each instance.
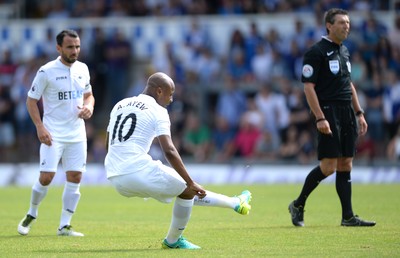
(45, 178)
(74, 177)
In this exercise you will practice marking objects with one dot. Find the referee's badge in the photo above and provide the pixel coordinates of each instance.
(348, 66)
(307, 71)
(334, 66)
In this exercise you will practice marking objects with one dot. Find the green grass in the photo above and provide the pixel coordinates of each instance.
(115, 226)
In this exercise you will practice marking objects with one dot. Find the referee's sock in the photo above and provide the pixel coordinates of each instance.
(343, 189)
(312, 181)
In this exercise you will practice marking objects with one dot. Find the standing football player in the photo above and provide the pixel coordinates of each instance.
(64, 86)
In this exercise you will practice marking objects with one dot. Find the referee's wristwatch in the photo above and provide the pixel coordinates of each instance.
(360, 112)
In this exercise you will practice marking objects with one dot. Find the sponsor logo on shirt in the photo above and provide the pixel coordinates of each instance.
(72, 94)
(307, 71)
(61, 78)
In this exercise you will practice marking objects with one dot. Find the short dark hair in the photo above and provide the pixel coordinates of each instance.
(62, 34)
(331, 13)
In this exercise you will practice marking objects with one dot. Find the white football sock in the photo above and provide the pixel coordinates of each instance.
(180, 218)
(38, 193)
(70, 199)
(217, 200)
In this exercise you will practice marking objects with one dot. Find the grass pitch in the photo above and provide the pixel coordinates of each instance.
(115, 226)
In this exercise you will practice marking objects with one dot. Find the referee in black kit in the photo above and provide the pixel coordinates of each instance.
(339, 118)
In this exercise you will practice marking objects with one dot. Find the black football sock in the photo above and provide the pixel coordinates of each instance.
(312, 181)
(343, 189)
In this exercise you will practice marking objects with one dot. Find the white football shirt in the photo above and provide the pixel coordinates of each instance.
(62, 89)
(134, 123)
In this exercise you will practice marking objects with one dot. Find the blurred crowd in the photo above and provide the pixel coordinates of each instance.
(123, 8)
(247, 103)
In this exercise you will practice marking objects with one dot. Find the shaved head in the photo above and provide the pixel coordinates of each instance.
(159, 80)
(161, 87)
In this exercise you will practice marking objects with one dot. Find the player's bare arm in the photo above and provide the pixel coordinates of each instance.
(42, 133)
(86, 111)
(173, 157)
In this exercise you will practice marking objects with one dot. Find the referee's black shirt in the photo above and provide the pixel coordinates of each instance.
(328, 66)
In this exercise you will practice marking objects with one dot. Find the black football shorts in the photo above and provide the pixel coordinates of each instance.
(343, 124)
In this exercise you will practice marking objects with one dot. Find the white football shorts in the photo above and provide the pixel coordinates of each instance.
(72, 155)
(161, 183)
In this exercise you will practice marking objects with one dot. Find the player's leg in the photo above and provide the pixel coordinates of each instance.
(74, 163)
(240, 203)
(49, 159)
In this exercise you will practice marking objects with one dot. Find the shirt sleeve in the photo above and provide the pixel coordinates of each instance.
(311, 65)
(88, 86)
(39, 84)
(163, 125)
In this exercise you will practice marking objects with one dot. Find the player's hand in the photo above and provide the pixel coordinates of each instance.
(43, 135)
(86, 111)
(198, 189)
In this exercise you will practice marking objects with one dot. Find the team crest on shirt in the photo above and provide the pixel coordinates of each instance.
(348, 66)
(334, 66)
(307, 71)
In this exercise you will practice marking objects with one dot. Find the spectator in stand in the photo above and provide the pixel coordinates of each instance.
(393, 148)
(252, 39)
(8, 66)
(207, 67)
(238, 69)
(46, 47)
(197, 37)
(383, 55)
(374, 110)
(118, 8)
(197, 138)
(391, 103)
(394, 33)
(58, 10)
(358, 70)
(301, 35)
(307, 152)
(274, 39)
(222, 136)
(290, 148)
(7, 130)
(274, 108)
(118, 60)
(395, 62)
(237, 45)
(97, 64)
(293, 60)
(244, 145)
(298, 107)
(229, 7)
(267, 147)
(231, 103)
(262, 63)
(280, 68)
(26, 132)
(371, 31)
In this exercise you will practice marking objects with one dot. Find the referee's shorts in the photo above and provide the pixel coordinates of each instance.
(343, 124)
